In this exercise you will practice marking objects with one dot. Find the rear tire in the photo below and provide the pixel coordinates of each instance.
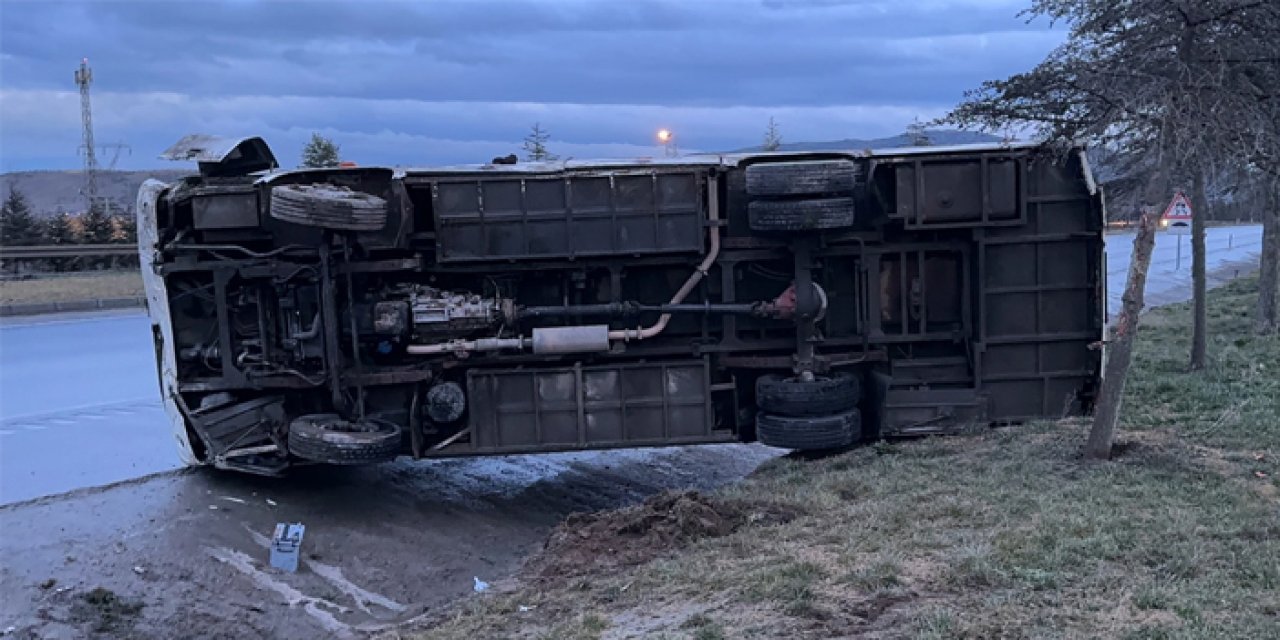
(824, 395)
(328, 207)
(814, 433)
(326, 437)
(800, 215)
(808, 178)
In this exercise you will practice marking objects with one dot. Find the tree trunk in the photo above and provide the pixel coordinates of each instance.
(1120, 346)
(1268, 317)
(1200, 313)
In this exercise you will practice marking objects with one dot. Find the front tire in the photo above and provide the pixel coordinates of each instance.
(328, 438)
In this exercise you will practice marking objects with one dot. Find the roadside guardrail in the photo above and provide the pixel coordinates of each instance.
(38, 252)
(40, 308)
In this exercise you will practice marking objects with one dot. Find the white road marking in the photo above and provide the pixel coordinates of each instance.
(133, 404)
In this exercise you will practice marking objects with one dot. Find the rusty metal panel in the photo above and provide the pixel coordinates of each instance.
(566, 216)
(921, 291)
(587, 407)
(960, 192)
(1039, 311)
(925, 411)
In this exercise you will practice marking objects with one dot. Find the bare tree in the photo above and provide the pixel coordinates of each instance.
(1120, 343)
(1268, 316)
(772, 137)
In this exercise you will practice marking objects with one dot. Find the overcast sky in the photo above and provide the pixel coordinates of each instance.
(441, 82)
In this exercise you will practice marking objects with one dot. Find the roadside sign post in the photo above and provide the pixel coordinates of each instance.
(1177, 220)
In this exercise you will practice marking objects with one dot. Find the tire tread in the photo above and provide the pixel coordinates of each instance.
(790, 397)
(814, 433)
(800, 215)
(803, 178)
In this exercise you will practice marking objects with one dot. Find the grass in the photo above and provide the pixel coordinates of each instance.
(93, 285)
(1008, 534)
(107, 611)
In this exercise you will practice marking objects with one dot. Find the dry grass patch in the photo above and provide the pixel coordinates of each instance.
(90, 286)
(1006, 534)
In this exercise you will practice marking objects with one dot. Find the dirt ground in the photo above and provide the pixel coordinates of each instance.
(587, 543)
(105, 284)
(184, 554)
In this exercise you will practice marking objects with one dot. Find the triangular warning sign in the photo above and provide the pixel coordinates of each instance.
(1179, 209)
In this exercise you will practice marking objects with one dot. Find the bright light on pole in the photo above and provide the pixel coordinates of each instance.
(668, 141)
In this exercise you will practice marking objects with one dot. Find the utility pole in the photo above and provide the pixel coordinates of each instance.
(84, 77)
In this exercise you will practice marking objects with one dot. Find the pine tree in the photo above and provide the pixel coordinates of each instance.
(535, 145)
(60, 230)
(772, 137)
(320, 152)
(126, 225)
(97, 227)
(17, 225)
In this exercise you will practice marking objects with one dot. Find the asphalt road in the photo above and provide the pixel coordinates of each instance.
(79, 404)
(1229, 252)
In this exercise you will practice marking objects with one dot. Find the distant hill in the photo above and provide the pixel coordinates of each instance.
(50, 192)
(937, 137)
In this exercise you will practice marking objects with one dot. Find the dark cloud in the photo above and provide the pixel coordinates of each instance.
(484, 69)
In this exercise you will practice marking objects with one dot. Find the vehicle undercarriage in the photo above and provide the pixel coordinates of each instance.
(809, 301)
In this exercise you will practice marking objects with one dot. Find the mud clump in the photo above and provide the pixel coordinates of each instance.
(589, 542)
(104, 610)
